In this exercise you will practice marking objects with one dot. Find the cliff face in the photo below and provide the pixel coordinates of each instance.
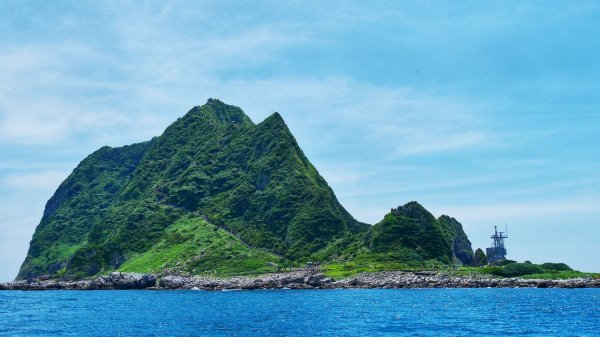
(79, 204)
(457, 239)
(217, 193)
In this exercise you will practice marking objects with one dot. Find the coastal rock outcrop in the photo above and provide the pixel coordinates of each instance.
(304, 279)
(129, 280)
(112, 281)
(398, 279)
(292, 280)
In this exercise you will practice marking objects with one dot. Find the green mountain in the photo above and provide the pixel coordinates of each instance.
(411, 226)
(217, 193)
(408, 234)
(213, 165)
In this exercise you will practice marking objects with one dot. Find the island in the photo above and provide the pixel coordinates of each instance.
(219, 202)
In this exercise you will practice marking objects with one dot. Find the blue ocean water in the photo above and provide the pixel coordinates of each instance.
(372, 312)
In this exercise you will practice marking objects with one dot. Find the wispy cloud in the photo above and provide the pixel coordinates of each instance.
(22, 198)
(403, 120)
(34, 181)
(42, 101)
(461, 107)
(515, 212)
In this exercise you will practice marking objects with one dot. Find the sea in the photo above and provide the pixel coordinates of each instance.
(339, 312)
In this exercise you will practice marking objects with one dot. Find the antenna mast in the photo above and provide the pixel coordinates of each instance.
(497, 252)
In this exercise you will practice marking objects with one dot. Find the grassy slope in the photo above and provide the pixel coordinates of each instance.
(192, 245)
(369, 264)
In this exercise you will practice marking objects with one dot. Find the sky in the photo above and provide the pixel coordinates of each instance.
(487, 111)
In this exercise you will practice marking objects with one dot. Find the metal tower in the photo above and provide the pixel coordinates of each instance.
(497, 252)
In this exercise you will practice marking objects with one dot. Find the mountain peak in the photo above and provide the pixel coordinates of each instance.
(217, 103)
(410, 209)
(274, 119)
(232, 194)
(219, 112)
(274, 124)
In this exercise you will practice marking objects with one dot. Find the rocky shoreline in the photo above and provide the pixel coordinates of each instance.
(307, 279)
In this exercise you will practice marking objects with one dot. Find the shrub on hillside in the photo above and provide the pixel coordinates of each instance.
(517, 269)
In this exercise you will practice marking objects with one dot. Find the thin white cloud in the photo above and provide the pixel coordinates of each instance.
(52, 119)
(48, 94)
(17, 229)
(22, 199)
(402, 119)
(42, 101)
(42, 180)
(513, 212)
(148, 64)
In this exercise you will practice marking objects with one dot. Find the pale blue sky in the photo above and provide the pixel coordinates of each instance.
(486, 111)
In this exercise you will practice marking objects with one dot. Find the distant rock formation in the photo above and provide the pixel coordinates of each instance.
(479, 259)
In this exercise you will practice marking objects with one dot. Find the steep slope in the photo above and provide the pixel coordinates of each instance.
(218, 193)
(252, 179)
(213, 164)
(457, 238)
(79, 203)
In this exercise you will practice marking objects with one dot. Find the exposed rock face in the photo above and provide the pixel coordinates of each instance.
(129, 280)
(293, 280)
(308, 279)
(457, 238)
(121, 281)
(479, 258)
(441, 280)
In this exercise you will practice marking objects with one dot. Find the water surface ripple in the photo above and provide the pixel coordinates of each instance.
(368, 312)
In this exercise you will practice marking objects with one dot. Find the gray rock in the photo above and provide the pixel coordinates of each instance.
(306, 279)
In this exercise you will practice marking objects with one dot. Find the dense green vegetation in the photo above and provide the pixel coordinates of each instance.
(514, 269)
(81, 202)
(216, 193)
(411, 226)
(409, 237)
(509, 268)
(252, 180)
(364, 264)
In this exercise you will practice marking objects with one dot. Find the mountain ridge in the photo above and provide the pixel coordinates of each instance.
(215, 170)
